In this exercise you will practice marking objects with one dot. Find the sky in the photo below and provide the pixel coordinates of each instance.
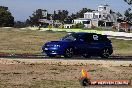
(22, 9)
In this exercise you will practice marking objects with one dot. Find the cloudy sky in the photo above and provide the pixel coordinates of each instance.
(22, 9)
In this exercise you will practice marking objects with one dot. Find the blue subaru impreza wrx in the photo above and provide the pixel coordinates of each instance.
(84, 44)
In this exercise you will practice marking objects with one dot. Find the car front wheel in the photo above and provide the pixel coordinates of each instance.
(68, 53)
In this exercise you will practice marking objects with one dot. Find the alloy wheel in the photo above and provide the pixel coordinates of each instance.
(105, 53)
(69, 52)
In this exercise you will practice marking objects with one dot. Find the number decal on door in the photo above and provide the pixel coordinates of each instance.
(95, 37)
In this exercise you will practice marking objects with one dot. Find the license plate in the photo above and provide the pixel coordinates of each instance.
(46, 49)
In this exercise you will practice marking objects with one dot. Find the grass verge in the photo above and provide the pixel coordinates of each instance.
(27, 41)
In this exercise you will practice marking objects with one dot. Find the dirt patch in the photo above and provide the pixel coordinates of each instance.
(31, 73)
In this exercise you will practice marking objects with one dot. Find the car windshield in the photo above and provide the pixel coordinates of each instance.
(71, 37)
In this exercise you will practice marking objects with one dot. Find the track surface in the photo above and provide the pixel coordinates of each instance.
(42, 56)
(25, 70)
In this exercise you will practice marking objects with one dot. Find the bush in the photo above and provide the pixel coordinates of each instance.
(78, 25)
(20, 24)
(50, 26)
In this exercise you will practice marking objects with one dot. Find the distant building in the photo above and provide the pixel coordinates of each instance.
(46, 22)
(103, 17)
(87, 22)
(68, 25)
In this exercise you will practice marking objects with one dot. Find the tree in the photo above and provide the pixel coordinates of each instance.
(128, 12)
(38, 14)
(119, 14)
(61, 15)
(129, 2)
(80, 14)
(19, 24)
(73, 16)
(6, 18)
(128, 15)
(68, 20)
(55, 16)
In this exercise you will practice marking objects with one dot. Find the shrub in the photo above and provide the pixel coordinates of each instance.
(78, 25)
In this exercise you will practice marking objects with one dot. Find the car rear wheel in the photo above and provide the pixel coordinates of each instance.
(105, 53)
(69, 53)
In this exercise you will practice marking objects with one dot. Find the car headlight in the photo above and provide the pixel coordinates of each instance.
(56, 45)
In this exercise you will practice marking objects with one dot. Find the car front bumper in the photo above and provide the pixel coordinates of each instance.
(52, 51)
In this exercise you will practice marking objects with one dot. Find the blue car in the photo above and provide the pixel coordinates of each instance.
(81, 43)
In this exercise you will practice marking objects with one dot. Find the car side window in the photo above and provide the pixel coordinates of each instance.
(86, 38)
(69, 37)
(103, 38)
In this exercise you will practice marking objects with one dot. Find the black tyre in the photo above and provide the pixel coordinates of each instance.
(105, 53)
(50, 55)
(68, 52)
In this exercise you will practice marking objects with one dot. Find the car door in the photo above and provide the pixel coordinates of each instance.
(90, 44)
(83, 45)
(96, 45)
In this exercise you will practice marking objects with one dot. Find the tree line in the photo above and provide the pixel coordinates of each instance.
(7, 20)
(60, 15)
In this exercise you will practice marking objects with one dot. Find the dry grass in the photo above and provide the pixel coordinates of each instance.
(27, 41)
(122, 47)
(44, 74)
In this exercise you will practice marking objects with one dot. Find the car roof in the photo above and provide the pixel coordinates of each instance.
(85, 33)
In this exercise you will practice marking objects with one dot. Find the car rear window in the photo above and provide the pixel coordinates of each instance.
(103, 38)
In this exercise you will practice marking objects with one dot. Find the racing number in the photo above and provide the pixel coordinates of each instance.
(95, 37)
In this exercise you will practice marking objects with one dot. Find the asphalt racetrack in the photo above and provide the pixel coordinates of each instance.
(42, 56)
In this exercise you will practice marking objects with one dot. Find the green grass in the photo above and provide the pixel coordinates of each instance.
(100, 29)
(27, 41)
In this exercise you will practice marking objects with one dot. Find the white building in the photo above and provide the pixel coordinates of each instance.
(103, 17)
(86, 22)
(68, 25)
